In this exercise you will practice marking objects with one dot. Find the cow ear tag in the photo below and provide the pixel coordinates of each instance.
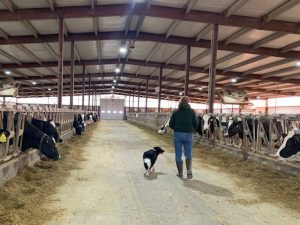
(2, 138)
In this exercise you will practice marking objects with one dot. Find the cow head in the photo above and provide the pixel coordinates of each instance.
(78, 124)
(234, 127)
(50, 129)
(206, 119)
(290, 145)
(48, 148)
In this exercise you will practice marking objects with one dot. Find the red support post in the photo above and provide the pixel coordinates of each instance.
(147, 87)
(72, 75)
(212, 69)
(187, 70)
(159, 87)
(83, 85)
(60, 62)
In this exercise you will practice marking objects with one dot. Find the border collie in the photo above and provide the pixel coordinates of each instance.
(149, 158)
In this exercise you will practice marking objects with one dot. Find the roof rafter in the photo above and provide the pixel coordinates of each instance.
(154, 11)
(154, 38)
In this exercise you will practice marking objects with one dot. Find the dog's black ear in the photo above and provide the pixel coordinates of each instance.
(157, 148)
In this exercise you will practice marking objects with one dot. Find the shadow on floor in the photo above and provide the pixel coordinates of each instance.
(153, 176)
(206, 188)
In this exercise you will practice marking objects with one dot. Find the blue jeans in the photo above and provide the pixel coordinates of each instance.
(185, 139)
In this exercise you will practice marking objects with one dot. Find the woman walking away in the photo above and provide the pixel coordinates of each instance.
(183, 122)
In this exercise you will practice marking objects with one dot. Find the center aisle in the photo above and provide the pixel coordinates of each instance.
(110, 188)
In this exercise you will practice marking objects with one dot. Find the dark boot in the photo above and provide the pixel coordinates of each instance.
(189, 168)
(179, 165)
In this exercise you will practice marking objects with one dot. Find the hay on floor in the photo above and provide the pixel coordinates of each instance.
(22, 198)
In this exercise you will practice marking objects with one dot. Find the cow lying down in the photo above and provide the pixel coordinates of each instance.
(290, 145)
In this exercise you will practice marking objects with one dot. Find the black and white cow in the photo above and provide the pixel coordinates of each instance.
(164, 128)
(207, 122)
(290, 145)
(35, 138)
(236, 127)
(78, 124)
(49, 128)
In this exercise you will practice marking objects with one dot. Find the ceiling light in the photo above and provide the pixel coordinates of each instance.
(117, 70)
(113, 87)
(200, 88)
(49, 89)
(233, 80)
(7, 72)
(33, 82)
(115, 81)
(123, 50)
(298, 63)
(258, 97)
(111, 91)
(180, 93)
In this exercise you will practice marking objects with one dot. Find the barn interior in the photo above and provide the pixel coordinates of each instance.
(79, 62)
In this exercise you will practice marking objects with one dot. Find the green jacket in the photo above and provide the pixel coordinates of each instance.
(184, 119)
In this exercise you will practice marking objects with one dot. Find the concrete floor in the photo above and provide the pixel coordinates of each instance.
(111, 188)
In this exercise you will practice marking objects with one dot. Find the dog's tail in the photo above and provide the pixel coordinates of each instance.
(147, 163)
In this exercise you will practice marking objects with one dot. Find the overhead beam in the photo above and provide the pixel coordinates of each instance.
(244, 63)
(268, 39)
(234, 7)
(153, 11)
(173, 90)
(229, 74)
(236, 35)
(267, 66)
(280, 9)
(242, 48)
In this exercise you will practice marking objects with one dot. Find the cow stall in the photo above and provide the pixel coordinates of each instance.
(12, 122)
(262, 134)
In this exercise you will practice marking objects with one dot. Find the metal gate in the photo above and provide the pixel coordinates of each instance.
(112, 109)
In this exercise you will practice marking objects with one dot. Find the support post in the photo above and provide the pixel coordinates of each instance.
(93, 90)
(60, 62)
(139, 93)
(83, 85)
(147, 86)
(159, 86)
(129, 102)
(187, 70)
(89, 97)
(133, 101)
(72, 75)
(212, 68)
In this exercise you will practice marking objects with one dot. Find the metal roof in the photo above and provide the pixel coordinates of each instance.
(259, 44)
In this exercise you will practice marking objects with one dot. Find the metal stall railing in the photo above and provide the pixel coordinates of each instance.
(12, 119)
(262, 133)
